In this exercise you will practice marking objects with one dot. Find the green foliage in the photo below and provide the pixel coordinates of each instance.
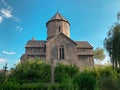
(36, 75)
(112, 45)
(108, 83)
(37, 71)
(9, 85)
(99, 54)
(102, 71)
(107, 78)
(65, 73)
(1, 78)
(38, 87)
(85, 81)
(31, 71)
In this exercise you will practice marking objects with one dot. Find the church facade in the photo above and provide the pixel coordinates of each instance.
(59, 46)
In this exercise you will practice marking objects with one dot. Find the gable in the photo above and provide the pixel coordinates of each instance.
(53, 45)
(62, 38)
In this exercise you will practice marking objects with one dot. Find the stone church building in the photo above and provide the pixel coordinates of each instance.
(59, 46)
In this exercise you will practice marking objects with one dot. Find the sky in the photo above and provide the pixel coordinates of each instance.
(20, 20)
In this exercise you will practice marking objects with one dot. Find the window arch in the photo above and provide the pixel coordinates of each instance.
(61, 54)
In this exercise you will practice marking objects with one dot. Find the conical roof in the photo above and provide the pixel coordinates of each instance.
(58, 16)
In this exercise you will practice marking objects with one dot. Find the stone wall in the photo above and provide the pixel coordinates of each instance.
(69, 50)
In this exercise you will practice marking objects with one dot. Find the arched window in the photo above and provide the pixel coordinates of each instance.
(61, 52)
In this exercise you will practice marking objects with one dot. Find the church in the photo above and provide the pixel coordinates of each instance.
(59, 46)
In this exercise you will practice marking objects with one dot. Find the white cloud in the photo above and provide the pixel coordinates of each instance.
(19, 28)
(4, 2)
(8, 53)
(6, 13)
(3, 61)
(1, 18)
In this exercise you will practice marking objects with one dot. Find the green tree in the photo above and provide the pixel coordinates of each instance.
(99, 54)
(112, 45)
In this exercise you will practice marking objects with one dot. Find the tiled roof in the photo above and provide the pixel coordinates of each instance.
(35, 43)
(57, 16)
(83, 44)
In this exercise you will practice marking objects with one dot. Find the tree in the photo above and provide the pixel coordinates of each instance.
(99, 54)
(112, 45)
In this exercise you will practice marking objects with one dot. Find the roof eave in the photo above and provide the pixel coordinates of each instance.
(56, 20)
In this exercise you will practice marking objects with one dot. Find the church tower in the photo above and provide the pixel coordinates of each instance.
(57, 24)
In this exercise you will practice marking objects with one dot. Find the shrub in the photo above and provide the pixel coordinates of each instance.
(37, 87)
(9, 85)
(108, 83)
(84, 81)
(31, 71)
(102, 71)
(65, 73)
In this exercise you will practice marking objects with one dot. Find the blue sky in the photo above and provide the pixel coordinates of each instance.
(20, 20)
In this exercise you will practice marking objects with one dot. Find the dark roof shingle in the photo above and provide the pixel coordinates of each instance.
(35, 43)
(83, 44)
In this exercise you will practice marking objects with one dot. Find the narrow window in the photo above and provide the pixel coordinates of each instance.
(61, 52)
(59, 28)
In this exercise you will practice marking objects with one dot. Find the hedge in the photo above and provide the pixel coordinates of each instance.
(38, 87)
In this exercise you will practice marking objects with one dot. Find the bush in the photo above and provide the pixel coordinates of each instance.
(37, 87)
(102, 71)
(84, 81)
(67, 77)
(30, 71)
(108, 83)
(9, 85)
(65, 73)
